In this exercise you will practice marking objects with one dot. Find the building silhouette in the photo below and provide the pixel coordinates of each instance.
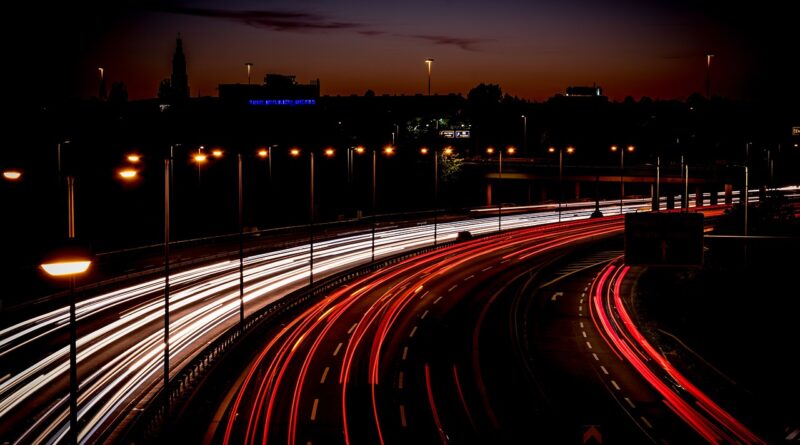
(179, 81)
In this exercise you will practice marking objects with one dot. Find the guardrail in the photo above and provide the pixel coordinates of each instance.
(150, 423)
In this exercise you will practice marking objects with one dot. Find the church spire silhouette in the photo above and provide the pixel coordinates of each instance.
(179, 81)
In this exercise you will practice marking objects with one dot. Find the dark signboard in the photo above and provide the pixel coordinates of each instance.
(664, 239)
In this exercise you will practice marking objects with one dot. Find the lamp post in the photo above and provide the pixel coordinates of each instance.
(446, 152)
(629, 149)
(510, 150)
(657, 204)
(709, 56)
(524, 133)
(249, 66)
(240, 201)
(70, 263)
(388, 151)
(429, 62)
(570, 149)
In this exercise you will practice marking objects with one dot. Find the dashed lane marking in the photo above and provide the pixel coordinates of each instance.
(405, 352)
(314, 409)
(628, 401)
(614, 384)
(413, 331)
(324, 374)
(336, 351)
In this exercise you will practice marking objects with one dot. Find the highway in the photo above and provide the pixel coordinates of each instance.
(481, 342)
(120, 344)
(410, 353)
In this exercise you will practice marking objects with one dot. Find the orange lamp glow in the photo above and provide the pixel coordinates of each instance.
(388, 150)
(551, 150)
(200, 158)
(570, 150)
(511, 150)
(448, 150)
(329, 152)
(424, 150)
(263, 153)
(614, 148)
(12, 175)
(294, 152)
(134, 158)
(66, 268)
(127, 173)
(360, 149)
(631, 148)
(490, 150)
(217, 153)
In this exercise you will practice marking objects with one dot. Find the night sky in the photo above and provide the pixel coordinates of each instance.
(532, 49)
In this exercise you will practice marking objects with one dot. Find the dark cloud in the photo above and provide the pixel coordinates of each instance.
(466, 44)
(275, 20)
(371, 32)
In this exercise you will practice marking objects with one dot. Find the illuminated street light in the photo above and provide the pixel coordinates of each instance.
(200, 158)
(709, 56)
(429, 62)
(360, 150)
(570, 150)
(127, 173)
(12, 174)
(423, 150)
(294, 152)
(249, 66)
(447, 151)
(263, 153)
(629, 149)
(133, 158)
(388, 150)
(490, 150)
(329, 152)
(69, 261)
(217, 153)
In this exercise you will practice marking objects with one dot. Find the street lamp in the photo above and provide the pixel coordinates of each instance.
(709, 56)
(70, 261)
(524, 133)
(388, 151)
(12, 174)
(249, 66)
(447, 151)
(490, 150)
(570, 149)
(629, 149)
(429, 62)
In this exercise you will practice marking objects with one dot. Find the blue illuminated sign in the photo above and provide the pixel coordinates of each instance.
(282, 102)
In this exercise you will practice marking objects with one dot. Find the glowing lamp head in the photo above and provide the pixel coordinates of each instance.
(263, 153)
(551, 149)
(329, 152)
(72, 258)
(12, 175)
(631, 148)
(217, 153)
(511, 150)
(360, 150)
(614, 148)
(448, 151)
(423, 150)
(570, 150)
(133, 158)
(388, 150)
(490, 150)
(128, 174)
(200, 158)
(295, 152)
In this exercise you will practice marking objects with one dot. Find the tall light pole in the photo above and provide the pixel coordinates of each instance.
(388, 151)
(510, 150)
(657, 204)
(69, 263)
(249, 66)
(429, 62)
(445, 152)
(709, 56)
(167, 181)
(570, 149)
(240, 201)
(621, 151)
(524, 133)
(686, 186)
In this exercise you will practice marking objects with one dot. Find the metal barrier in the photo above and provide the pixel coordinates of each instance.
(151, 422)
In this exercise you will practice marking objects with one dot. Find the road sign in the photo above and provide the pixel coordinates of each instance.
(795, 131)
(664, 239)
